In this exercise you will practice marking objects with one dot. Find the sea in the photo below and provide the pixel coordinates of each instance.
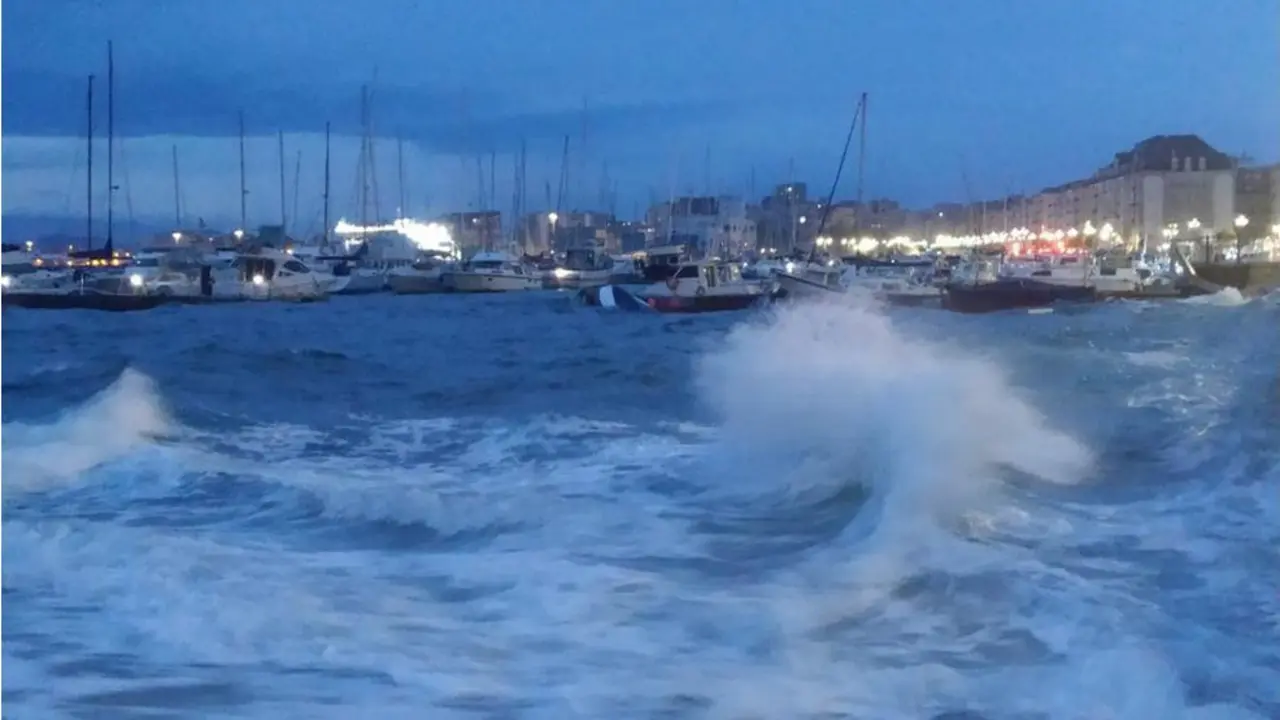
(512, 506)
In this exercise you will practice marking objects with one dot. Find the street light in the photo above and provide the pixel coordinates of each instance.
(1241, 221)
(1194, 224)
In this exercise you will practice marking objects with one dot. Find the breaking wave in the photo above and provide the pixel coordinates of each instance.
(845, 519)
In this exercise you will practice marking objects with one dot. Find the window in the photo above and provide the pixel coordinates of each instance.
(295, 266)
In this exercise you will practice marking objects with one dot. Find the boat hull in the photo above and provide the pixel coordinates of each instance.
(362, 284)
(84, 301)
(905, 299)
(711, 302)
(483, 282)
(1013, 295)
(794, 286)
(415, 284)
(578, 279)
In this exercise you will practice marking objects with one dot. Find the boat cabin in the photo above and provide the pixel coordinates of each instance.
(494, 262)
(657, 264)
(269, 268)
(708, 277)
(586, 258)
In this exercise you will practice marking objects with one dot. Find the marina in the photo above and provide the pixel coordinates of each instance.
(630, 361)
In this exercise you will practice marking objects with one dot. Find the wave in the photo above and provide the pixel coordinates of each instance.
(822, 395)
(125, 416)
(1226, 297)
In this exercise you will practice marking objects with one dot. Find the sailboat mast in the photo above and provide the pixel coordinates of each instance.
(364, 156)
(244, 193)
(297, 180)
(177, 193)
(284, 219)
(326, 184)
(400, 210)
(111, 135)
(89, 184)
(862, 149)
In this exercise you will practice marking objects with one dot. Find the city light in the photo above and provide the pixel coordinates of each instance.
(432, 237)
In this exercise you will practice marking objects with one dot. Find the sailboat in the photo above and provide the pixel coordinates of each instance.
(74, 294)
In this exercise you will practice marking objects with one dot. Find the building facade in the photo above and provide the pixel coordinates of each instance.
(1166, 183)
(710, 225)
(474, 232)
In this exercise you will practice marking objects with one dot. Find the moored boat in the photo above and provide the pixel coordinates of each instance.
(1011, 294)
(492, 272)
(696, 287)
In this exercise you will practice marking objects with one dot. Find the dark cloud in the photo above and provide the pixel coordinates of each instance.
(43, 103)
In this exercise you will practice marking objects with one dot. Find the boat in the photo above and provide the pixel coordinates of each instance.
(704, 286)
(800, 280)
(82, 299)
(271, 274)
(1012, 293)
(896, 282)
(425, 275)
(491, 272)
(582, 267)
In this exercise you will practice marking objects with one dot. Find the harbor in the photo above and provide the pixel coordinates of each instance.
(693, 254)
(619, 361)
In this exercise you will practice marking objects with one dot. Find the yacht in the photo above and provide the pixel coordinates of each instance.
(491, 272)
(582, 268)
(270, 274)
(425, 275)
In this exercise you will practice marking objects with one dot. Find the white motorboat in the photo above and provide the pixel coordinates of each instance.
(22, 271)
(491, 272)
(425, 275)
(582, 268)
(905, 282)
(270, 274)
(809, 279)
(696, 287)
(1078, 270)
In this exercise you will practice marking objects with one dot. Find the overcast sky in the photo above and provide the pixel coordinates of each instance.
(974, 98)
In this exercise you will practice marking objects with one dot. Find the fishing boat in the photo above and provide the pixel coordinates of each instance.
(696, 287)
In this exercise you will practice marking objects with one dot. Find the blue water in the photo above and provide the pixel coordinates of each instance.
(511, 507)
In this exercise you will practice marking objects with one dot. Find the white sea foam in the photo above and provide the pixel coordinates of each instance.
(122, 418)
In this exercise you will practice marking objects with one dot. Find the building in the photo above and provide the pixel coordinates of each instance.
(551, 231)
(473, 232)
(1167, 186)
(786, 219)
(1257, 201)
(632, 236)
(710, 225)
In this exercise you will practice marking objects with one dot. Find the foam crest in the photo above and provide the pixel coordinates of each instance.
(125, 416)
(1226, 297)
(829, 394)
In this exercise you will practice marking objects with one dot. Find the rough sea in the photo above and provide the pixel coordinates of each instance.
(511, 507)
